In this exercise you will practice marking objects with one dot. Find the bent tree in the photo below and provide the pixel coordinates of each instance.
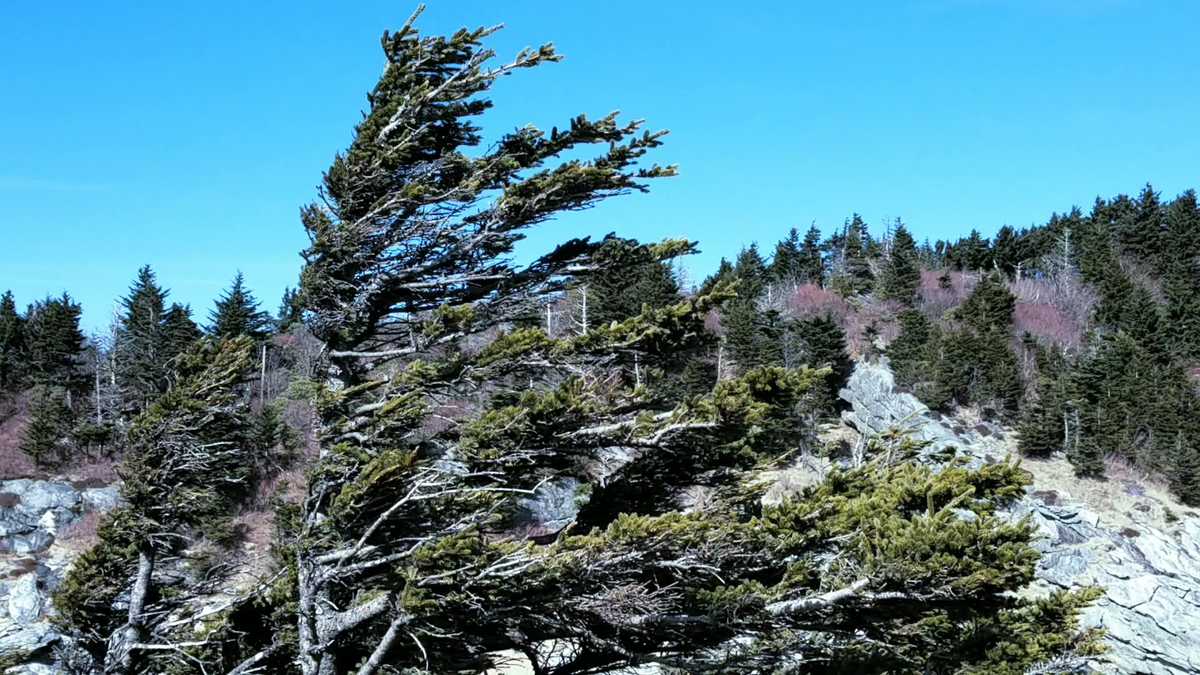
(485, 487)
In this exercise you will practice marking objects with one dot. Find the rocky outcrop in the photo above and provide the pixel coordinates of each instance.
(34, 516)
(1143, 551)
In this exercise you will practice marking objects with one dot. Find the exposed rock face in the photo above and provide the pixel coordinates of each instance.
(33, 515)
(1145, 554)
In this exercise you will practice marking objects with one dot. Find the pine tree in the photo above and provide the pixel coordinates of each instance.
(787, 265)
(631, 276)
(237, 313)
(902, 273)
(289, 314)
(46, 438)
(1142, 234)
(185, 468)
(856, 276)
(811, 261)
(141, 350)
(424, 534)
(180, 332)
(54, 344)
(12, 343)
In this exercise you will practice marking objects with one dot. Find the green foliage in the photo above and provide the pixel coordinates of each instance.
(902, 272)
(12, 343)
(856, 276)
(141, 341)
(54, 343)
(237, 313)
(47, 436)
(629, 276)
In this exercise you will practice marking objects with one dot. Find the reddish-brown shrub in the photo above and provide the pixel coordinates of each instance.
(811, 300)
(934, 300)
(1047, 323)
(1055, 309)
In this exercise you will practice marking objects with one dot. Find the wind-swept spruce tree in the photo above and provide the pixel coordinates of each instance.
(482, 486)
(185, 465)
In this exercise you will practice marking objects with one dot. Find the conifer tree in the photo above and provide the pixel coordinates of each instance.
(1042, 430)
(141, 341)
(289, 313)
(1142, 233)
(414, 548)
(902, 272)
(54, 343)
(823, 345)
(184, 469)
(237, 313)
(811, 261)
(629, 276)
(972, 253)
(180, 332)
(856, 275)
(12, 343)
(46, 438)
(787, 264)
(724, 273)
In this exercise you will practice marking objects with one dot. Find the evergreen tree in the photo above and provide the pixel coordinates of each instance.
(180, 332)
(856, 276)
(185, 468)
(902, 273)
(1181, 276)
(724, 273)
(1142, 234)
(12, 343)
(46, 438)
(811, 262)
(290, 311)
(989, 307)
(630, 276)
(237, 313)
(823, 345)
(751, 274)
(54, 343)
(141, 350)
(973, 253)
(1043, 425)
(788, 265)
(424, 533)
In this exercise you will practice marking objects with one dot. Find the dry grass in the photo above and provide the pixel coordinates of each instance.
(1127, 498)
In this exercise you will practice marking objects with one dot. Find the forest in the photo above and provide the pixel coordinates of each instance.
(446, 455)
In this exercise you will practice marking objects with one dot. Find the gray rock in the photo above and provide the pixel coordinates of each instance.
(33, 514)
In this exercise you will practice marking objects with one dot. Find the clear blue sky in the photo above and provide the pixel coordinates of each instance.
(186, 134)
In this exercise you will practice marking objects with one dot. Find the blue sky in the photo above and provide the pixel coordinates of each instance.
(186, 135)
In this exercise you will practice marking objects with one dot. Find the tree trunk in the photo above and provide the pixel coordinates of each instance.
(122, 645)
